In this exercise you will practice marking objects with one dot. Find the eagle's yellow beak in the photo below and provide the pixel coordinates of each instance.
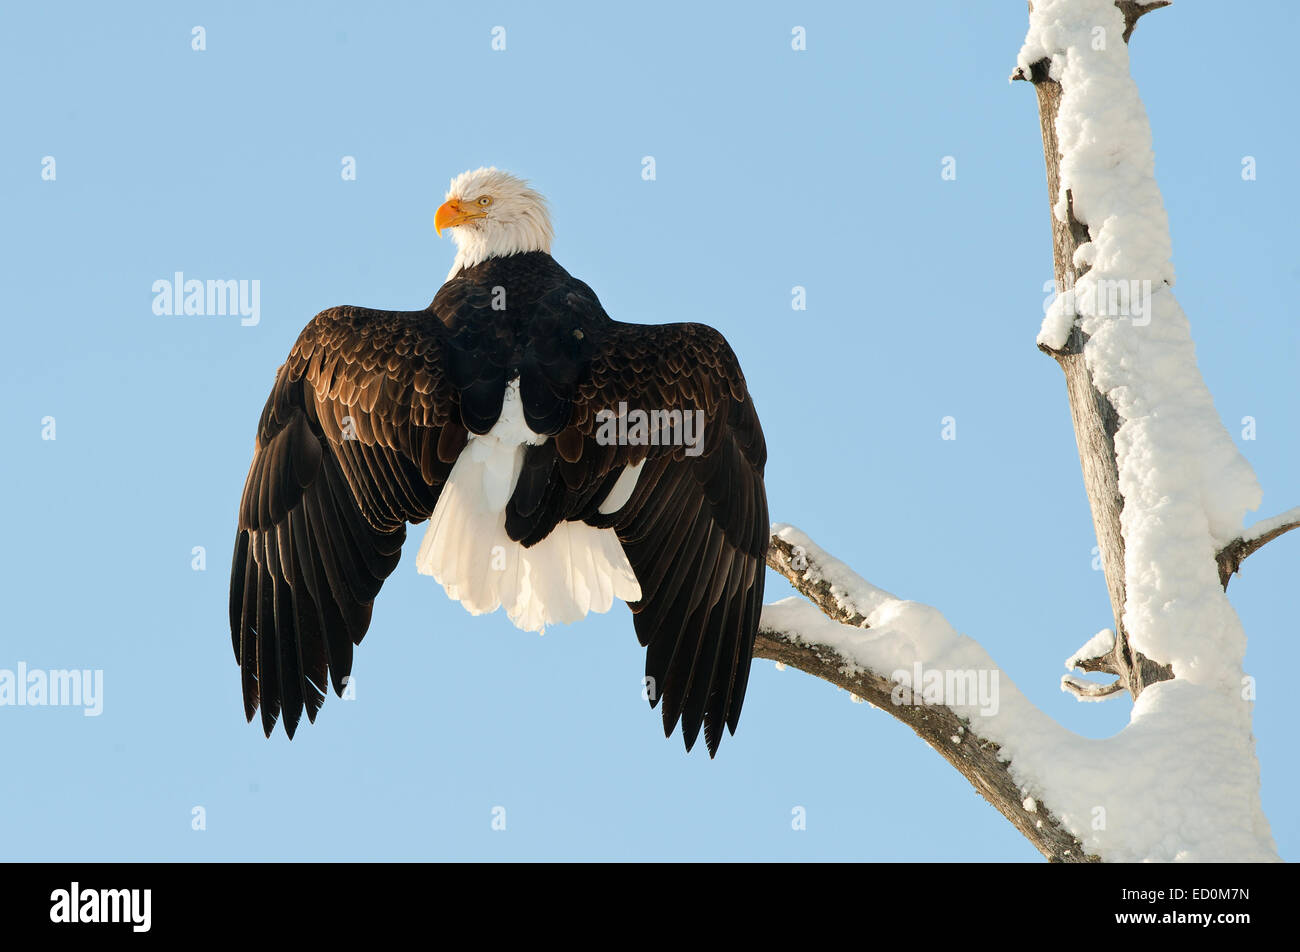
(453, 213)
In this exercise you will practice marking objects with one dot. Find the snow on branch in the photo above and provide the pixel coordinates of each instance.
(1097, 654)
(1161, 789)
(1260, 534)
(905, 659)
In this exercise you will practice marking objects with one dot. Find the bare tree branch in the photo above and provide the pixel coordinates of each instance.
(1257, 536)
(1133, 11)
(1090, 690)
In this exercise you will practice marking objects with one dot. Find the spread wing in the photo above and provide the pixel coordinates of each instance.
(695, 528)
(359, 434)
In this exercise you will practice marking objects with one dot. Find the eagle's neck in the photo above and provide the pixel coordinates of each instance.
(523, 233)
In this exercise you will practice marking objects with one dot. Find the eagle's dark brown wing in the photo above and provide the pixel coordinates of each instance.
(695, 529)
(359, 434)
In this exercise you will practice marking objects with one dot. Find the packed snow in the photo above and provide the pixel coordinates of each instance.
(1265, 526)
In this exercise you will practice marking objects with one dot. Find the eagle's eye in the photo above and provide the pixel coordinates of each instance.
(485, 201)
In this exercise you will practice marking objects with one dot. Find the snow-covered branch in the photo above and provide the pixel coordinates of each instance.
(1261, 533)
(905, 659)
(1173, 785)
(1098, 654)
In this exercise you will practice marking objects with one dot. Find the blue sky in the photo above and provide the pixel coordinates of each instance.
(774, 168)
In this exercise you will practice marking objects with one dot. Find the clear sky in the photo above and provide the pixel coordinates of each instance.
(774, 169)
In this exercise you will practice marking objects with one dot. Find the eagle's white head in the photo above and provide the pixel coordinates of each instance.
(493, 214)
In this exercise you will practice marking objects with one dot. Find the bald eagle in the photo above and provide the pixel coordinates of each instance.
(563, 460)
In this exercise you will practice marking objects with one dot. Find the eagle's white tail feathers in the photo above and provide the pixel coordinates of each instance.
(574, 570)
